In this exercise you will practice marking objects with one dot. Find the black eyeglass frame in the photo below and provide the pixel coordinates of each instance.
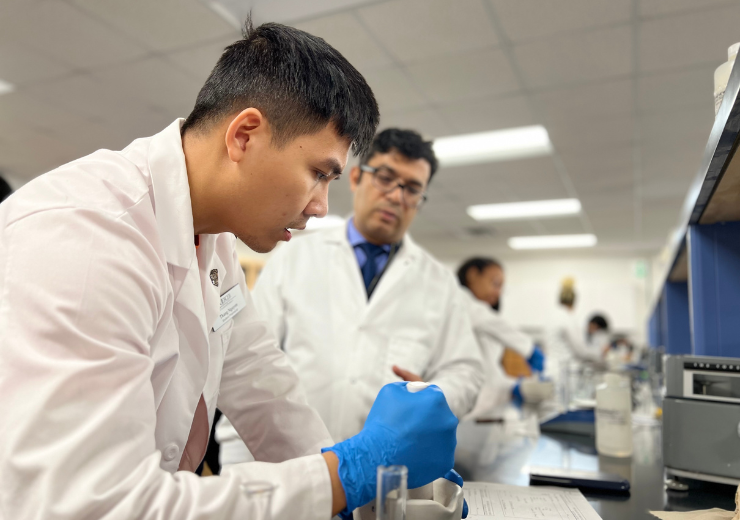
(374, 172)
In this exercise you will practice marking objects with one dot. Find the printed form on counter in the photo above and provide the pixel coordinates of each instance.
(487, 501)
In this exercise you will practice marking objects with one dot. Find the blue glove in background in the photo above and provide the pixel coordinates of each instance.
(417, 430)
(537, 360)
(516, 395)
(454, 476)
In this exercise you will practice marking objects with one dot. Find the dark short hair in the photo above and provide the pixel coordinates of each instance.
(408, 143)
(478, 263)
(298, 81)
(599, 321)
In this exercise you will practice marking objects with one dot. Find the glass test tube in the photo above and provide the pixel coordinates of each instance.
(259, 497)
(391, 500)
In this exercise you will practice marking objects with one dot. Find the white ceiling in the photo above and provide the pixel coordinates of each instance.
(623, 86)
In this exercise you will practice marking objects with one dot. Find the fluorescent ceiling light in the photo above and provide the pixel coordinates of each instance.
(5, 87)
(552, 241)
(499, 145)
(522, 210)
(329, 221)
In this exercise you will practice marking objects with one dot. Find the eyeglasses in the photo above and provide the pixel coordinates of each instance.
(386, 180)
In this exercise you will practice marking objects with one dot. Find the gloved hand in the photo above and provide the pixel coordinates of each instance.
(516, 394)
(416, 430)
(537, 360)
(454, 476)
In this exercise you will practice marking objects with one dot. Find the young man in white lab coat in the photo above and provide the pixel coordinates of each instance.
(125, 319)
(363, 305)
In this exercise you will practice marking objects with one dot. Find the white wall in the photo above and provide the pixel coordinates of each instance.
(610, 286)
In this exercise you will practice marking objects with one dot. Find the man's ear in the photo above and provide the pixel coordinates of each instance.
(248, 125)
(355, 174)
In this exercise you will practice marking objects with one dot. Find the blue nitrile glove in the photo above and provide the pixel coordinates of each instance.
(537, 360)
(416, 430)
(516, 394)
(454, 476)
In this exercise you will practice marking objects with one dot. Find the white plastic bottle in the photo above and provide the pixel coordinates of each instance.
(614, 417)
(722, 76)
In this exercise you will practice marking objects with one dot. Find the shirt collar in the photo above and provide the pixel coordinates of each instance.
(172, 204)
(355, 237)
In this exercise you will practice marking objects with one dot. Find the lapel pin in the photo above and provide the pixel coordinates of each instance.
(214, 277)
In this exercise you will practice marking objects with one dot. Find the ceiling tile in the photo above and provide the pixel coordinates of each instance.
(346, 34)
(594, 163)
(524, 20)
(161, 25)
(197, 62)
(477, 74)
(64, 33)
(691, 39)
(580, 135)
(563, 226)
(21, 65)
(96, 101)
(677, 125)
(592, 100)
(480, 115)
(155, 82)
(577, 58)
(419, 29)
(667, 7)
(426, 121)
(684, 88)
(393, 90)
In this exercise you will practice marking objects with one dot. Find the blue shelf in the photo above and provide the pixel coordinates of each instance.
(693, 306)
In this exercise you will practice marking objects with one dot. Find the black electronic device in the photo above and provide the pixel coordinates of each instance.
(587, 480)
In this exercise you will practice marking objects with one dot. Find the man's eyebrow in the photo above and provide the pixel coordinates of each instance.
(410, 181)
(331, 167)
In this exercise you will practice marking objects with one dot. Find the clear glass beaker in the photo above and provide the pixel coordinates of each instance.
(391, 500)
(259, 497)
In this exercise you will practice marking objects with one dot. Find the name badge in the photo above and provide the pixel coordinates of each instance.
(232, 301)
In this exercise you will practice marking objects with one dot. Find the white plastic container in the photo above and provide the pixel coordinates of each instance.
(722, 76)
(614, 417)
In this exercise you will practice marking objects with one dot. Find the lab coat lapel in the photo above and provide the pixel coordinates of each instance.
(174, 214)
(346, 259)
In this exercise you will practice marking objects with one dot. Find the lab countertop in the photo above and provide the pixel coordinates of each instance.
(503, 454)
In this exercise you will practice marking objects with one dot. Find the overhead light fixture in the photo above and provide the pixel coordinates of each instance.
(552, 242)
(5, 87)
(498, 145)
(329, 221)
(523, 210)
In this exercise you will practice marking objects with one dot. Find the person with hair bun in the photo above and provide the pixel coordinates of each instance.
(565, 341)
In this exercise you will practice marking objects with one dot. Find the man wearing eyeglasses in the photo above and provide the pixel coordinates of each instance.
(362, 305)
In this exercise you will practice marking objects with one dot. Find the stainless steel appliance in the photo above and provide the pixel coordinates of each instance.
(701, 418)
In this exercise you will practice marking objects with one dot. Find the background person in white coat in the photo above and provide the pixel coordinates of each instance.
(116, 345)
(510, 355)
(359, 306)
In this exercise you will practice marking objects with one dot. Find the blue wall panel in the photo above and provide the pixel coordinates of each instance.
(654, 330)
(674, 318)
(714, 264)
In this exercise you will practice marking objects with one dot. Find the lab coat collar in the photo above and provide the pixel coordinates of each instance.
(172, 205)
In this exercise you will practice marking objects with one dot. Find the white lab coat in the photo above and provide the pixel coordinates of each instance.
(565, 340)
(343, 346)
(494, 334)
(106, 347)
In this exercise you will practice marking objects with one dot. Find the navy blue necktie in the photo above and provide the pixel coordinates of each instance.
(370, 269)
